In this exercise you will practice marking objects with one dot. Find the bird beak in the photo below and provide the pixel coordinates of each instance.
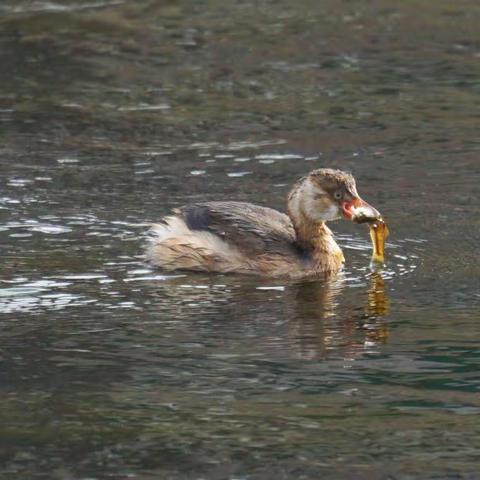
(359, 211)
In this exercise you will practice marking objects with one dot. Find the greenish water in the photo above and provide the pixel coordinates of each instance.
(113, 112)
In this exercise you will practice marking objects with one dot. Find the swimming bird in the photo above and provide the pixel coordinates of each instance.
(240, 237)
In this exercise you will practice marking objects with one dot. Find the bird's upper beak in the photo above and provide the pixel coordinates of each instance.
(359, 211)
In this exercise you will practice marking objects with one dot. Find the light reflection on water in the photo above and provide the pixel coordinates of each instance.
(53, 289)
(114, 112)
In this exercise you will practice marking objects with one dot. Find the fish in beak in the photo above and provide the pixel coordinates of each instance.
(360, 211)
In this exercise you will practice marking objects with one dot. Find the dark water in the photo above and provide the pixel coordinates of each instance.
(112, 113)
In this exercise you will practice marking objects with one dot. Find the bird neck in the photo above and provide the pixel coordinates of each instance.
(317, 240)
(312, 235)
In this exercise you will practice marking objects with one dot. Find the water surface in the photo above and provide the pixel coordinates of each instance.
(112, 113)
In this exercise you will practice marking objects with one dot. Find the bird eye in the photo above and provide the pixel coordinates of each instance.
(337, 195)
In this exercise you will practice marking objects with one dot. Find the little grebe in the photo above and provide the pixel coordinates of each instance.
(245, 238)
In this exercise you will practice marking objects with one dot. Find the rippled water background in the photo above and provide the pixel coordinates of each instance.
(111, 113)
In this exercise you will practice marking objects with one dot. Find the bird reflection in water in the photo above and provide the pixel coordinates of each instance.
(320, 327)
(314, 319)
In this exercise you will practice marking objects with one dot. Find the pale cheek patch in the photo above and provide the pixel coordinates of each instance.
(312, 202)
(329, 212)
(321, 209)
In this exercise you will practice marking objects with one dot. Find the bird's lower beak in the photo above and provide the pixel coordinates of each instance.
(359, 211)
